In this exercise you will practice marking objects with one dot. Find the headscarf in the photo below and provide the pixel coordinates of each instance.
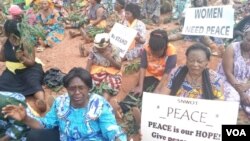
(51, 5)
(15, 10)
(101, 40)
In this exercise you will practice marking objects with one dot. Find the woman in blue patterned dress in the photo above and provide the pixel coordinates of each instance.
(80, 115)
(49, 18)
(9, 128)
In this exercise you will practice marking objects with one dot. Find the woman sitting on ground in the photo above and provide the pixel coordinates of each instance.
(151, 10)
(49, 18)
(22, 74)
(97, 21)
(104, 63)
(133, 54)
(97, 14)
(235, 69)
(157, 60)
(103, 53)
(195, 80)
(15, 12)
(240, 28)
(118, 16)
(132, 14)
(79, 115)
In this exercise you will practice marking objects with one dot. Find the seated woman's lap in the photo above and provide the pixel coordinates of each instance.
(43, 135)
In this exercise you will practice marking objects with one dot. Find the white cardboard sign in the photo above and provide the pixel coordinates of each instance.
(174, 118)
(122, 36)
(216, 21)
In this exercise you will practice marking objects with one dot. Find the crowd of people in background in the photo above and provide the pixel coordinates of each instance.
(101, 103)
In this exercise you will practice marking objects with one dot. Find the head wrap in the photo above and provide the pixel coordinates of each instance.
(101, 40)
(15, 10)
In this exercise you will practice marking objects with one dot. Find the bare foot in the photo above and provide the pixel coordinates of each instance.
(83, 51)
(41, 105)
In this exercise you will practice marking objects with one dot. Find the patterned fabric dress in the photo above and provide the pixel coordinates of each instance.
(103, 73)
(186, 90)
(26, 81)
(95, 122)
(136, 48)
(13, 129)
(53, 27)
(151, 8)
(115, 17)
(179, 8)
(241, 72)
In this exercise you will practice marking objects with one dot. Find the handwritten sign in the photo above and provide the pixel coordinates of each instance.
(216, 21)
(174, 118)
(122, 37)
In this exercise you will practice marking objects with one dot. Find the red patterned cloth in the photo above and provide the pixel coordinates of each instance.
(113, 81)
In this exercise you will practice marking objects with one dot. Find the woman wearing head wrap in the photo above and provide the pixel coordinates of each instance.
(16, 12)
(104, 63)
(50, 20)
(22, 74)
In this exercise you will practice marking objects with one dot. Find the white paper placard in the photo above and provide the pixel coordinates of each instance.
(174, 118)
(216, 21)
(122, 36)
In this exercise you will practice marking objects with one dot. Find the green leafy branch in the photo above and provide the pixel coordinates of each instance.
(132, 67)
(104, 87)
(30, 33)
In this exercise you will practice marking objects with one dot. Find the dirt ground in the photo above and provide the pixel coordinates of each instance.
(66, 56)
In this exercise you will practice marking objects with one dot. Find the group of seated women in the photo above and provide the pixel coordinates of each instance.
(81, 114)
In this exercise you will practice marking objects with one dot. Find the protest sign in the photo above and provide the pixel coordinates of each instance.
(122, 37)
(216, 21)
(173, 118)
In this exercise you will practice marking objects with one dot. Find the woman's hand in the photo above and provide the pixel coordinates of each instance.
(138, 37)
(138, 90)
(241, 87)
(3, 40)
(107, 53)
(19, 54)
(16, 112)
